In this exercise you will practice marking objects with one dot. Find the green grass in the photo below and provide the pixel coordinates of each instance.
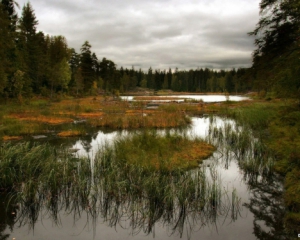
(148, 149)
(276, 123)
(39, 176)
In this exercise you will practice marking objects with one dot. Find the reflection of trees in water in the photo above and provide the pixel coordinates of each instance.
(133, 198)
(179, 202)
(266, 203)
(253, 157)
(86, 145)
(7, 213)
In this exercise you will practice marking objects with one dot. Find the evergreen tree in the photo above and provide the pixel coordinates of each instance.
(27, 47)
(74, 66)
(277, 42)
(86, 65)
(169, 76)
(165, 84)
(8, 8)
(58, 60)
(5, 44)
(150, 79)
(107, 73)
(8, 19)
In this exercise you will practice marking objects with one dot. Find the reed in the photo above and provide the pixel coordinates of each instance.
(110, 187)
(252, 154)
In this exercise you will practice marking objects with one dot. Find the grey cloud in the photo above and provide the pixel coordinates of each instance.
(161, 34)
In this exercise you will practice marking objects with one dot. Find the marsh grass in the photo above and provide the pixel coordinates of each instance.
(41, 178)
(275, 126)
(175, 197)
(138, 120)
(36, 115)
(182, 107)
(252, 154)
(148, 149)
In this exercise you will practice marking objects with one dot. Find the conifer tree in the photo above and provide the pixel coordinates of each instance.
(8, 19)
(277, 40)
(86, 66)
(27, 46)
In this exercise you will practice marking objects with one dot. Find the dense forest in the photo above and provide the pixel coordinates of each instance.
(33, 63)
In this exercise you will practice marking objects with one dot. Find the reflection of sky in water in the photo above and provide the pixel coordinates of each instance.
(230, 177)
(228, 171)
(205, 98)
(96, 143)
(199, 128)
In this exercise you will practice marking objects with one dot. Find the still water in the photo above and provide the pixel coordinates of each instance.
(256, 214)
(204, 98)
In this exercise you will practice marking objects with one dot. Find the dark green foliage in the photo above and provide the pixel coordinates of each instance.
(35, 63)
(111, 77)
(86, 66)
(49, 67)
(276, 59)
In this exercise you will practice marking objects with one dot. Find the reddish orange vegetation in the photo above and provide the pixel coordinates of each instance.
(190, 156)
(90, 115)
(196, 151)
(41, 119)
(108, 112)
(139, 111)
(69, 133)
(8, 138)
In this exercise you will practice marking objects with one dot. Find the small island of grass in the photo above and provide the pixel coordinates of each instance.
(168, 152)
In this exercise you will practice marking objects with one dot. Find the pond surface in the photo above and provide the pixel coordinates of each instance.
(256, 212)
(204, 98)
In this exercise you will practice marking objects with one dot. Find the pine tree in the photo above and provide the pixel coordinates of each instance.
(58, 70)
(8, 19)
(107, 73)
(27, 47)
(8, 7)
(278, 39)
(86, 66)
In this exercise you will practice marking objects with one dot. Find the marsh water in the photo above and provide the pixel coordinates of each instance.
(204, 98)
(250, 205)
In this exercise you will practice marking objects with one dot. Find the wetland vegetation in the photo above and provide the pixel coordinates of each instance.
(143, 175)
(153, 172)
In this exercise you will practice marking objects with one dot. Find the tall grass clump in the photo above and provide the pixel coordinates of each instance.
(257, 117)
(150, 149)
(145, 195)
(252, 154)
(113, 186)
(27, 161)
(275, 127)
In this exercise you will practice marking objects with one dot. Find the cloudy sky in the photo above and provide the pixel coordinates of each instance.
(159, 33)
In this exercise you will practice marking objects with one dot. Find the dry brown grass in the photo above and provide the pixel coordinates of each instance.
(9, 138)
(190, 156)
(41, 119)
(170, 152)
(98, 111)
(70, 133)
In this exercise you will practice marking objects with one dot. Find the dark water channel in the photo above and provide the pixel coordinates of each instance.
(250, 204)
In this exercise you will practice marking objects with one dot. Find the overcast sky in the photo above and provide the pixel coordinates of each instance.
(159, 33)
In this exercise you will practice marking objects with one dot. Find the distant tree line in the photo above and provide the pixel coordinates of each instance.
(35, 63)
